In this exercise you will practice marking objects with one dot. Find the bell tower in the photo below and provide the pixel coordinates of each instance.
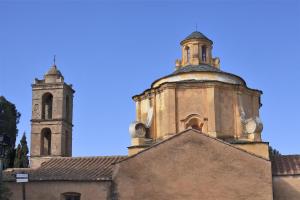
(51, 123)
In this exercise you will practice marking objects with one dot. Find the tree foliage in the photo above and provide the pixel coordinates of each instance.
(273, 152)
(9, 118)
(21, 158)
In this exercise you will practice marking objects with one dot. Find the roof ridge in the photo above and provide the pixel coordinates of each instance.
(83, 157)
(286, 165)
(198, 132)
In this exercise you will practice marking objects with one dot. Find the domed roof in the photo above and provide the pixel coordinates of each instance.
(201, 72)
(196, 35)
(53, 71)
(197, 68)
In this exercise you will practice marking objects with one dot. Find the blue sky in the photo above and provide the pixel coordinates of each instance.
(112, 50)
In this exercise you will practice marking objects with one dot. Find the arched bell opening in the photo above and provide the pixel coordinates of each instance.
(46, 142)
(188, 54)
(47, 106)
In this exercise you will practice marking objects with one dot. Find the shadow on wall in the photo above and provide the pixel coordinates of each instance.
(286, 187)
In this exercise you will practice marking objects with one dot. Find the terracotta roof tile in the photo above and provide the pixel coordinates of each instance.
(286, 165)
(70, 169)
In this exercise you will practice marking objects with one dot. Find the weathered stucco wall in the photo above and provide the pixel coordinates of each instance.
(193, 101)
(260, 149)
(193, 166)
(217, 105)
(46, 190)
(286, 187)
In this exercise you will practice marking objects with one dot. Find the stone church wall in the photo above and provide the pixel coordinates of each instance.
(286, 187)
(46, 190)
(193, 166)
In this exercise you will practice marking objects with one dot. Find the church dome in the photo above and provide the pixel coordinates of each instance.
(195, 35)
(202, 73)
(198, 64)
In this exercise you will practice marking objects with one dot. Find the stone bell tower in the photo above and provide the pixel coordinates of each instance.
(51, 123)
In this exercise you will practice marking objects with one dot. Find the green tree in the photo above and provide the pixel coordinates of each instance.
(18, 154)
(21, 158)
(9, 118)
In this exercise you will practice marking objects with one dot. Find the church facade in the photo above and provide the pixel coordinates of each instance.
(197, 135)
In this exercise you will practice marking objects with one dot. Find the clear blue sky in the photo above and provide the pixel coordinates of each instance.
(112, 51)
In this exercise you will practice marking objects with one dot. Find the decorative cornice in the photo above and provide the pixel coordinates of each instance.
(51, 120)
(195, 84)
(52, 86)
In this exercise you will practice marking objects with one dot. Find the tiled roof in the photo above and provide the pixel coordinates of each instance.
(70, 169)
(286, 165)
(197, 68)
(54, 71)
(196, 35)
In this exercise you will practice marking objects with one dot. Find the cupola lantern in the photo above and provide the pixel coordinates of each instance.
(196, 50)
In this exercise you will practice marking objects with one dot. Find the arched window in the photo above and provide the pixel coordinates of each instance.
(194, 123)
(71, 196)
(204, 53)
(68, 108)
(46, 142)
(47, 103)
(188, 54)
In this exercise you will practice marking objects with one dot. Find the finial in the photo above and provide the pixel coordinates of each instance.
(196, 27)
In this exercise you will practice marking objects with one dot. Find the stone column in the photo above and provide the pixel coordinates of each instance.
(200, 53)
(208, 54)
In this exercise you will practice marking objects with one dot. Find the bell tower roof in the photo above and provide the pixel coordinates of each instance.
(195, 35)
(53, 75)
(53, 71)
